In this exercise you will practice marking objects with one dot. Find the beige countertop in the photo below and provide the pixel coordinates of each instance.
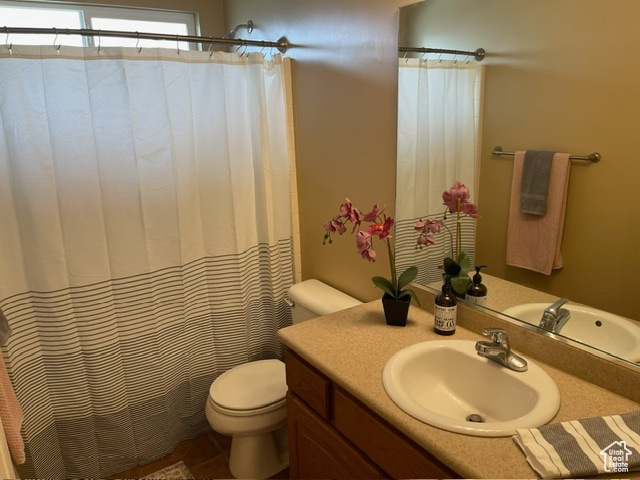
(352, 346)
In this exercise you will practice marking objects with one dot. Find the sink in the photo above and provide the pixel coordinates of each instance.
(444, 382)
(603, 330)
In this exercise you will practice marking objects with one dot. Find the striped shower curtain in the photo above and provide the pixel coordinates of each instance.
(146, 246)
(439, 129)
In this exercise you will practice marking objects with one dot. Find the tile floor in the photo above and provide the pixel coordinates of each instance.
(206, 456)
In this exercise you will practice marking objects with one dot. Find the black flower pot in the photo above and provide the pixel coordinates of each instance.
(396, 309)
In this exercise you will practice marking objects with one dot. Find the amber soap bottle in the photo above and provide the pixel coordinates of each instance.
(445, 310)
(477, 291)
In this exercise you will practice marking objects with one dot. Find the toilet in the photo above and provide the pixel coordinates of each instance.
(248, 402)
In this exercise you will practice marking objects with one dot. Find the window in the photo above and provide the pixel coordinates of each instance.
(69, 15)
(34, 16)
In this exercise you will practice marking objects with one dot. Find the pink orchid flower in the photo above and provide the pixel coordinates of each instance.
(425, 241)
(430, 225)
(470, 209)
(365, 247)
(373, 214)
(379, 226)
(351, 213)
(383, 230)
(335, 225)
(459, 193)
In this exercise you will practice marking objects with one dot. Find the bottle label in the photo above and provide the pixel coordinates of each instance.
(445, 318)
(482, 301)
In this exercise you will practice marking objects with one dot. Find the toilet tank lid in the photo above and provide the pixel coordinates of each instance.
(320, 298)
(250, 386)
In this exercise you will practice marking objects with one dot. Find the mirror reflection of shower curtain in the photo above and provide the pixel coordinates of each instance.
(439, 136)
(146, 242)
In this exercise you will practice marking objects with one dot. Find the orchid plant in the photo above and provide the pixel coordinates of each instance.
(379, 229)
(456, 199)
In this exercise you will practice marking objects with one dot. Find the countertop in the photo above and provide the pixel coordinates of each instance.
(352, 346)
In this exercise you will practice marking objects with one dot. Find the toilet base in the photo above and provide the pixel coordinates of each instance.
(260, 455)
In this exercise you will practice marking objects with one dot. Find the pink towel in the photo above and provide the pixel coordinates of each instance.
(533, 241)
(11, 416)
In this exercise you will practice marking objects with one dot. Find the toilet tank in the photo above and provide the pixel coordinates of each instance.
(312, 298)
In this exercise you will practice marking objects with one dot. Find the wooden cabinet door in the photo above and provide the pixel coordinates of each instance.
(390, 449)
(317, 451)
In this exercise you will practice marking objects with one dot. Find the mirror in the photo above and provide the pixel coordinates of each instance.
(553, 80)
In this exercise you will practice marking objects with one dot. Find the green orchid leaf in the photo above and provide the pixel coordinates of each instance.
(407, 277)
(465, 263)
(451, 268)
(412, 293)
(385, 285)
(460, 283)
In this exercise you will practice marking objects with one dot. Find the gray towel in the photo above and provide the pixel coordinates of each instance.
(5, 330)
(585, 447)
(535, 181)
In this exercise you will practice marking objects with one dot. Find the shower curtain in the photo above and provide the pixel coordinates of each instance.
(439, 132)
(146, 246)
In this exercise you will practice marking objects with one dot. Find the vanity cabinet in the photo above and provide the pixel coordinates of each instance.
(334, 435)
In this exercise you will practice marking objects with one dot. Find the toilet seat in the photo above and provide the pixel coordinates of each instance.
(247, 413)
(250, 389)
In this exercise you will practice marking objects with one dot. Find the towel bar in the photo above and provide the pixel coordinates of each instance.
(593, 158)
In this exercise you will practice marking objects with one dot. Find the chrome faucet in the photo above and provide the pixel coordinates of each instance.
(554, 317)
(499, 351)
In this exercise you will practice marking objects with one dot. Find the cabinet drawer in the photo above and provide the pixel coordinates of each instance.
(318, 451)
(308, 384)
(392, 451)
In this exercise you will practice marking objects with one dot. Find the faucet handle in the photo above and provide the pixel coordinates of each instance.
(554, 308)
(498, 336)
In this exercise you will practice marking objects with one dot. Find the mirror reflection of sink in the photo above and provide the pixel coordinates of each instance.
(444, 383)
(603, 330)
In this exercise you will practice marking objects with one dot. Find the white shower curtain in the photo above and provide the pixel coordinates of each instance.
(146, 247)
(439, 131)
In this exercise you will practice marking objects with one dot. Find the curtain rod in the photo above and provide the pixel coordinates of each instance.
(282, 44)
(477, 55)
(593, 158)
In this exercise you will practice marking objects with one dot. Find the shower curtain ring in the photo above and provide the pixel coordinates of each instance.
(6, 29)
(178, 44)
(55, 40)
(210, 46)
(138, 43)
(99, 41)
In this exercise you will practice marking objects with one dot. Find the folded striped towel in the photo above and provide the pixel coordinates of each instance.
(581, 448)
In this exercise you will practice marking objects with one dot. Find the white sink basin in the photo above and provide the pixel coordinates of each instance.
(442, 382)
(597, 328)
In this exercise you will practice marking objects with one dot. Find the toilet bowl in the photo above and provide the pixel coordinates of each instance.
(248, 402)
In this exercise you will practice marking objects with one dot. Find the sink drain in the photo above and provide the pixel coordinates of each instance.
(474, 417)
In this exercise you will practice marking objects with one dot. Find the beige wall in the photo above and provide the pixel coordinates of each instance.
(344, 87)
(560, 75)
